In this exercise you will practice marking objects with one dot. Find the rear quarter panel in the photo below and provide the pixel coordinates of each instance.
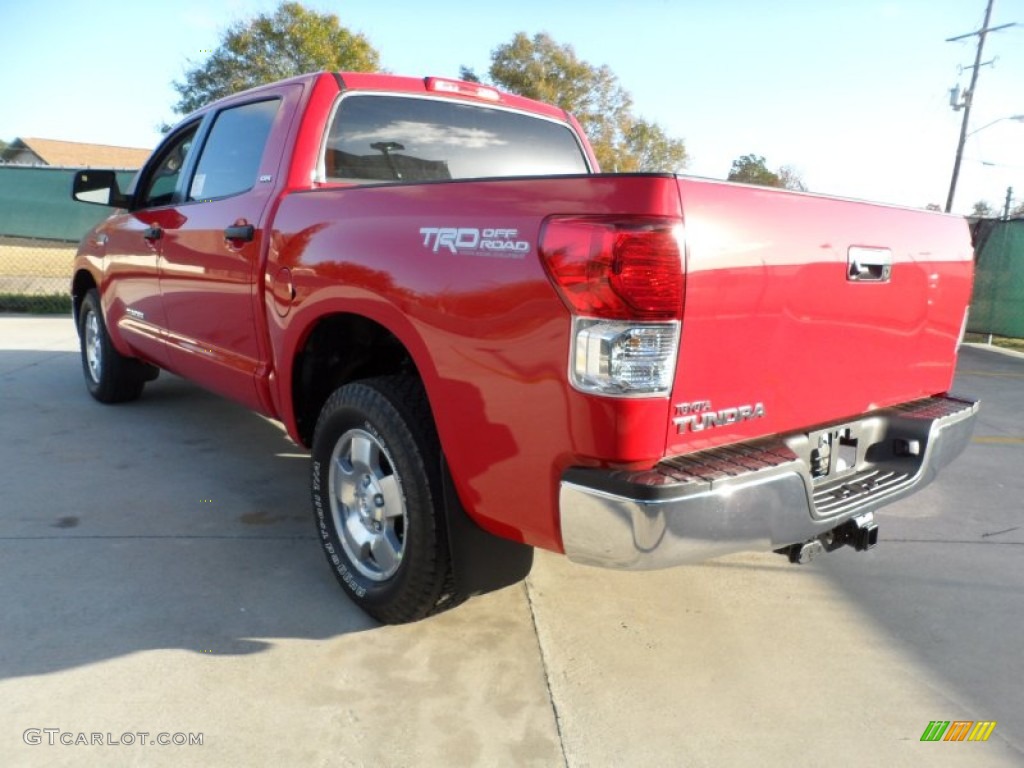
(489, 335)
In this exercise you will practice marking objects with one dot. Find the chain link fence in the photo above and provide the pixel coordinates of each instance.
(35, 275)
(40, 226)
(997, 307)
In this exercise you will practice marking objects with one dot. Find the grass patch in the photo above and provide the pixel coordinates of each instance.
(47, 304)
(998, 341)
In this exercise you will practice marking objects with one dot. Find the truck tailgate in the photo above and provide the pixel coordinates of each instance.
(802, 310)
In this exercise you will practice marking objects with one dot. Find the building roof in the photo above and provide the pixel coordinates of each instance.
(75, 154)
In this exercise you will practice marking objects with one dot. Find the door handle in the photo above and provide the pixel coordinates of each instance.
(868, 265)
(152, 233)
(245, 232)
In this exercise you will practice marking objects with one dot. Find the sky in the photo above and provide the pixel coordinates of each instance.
(853, 95)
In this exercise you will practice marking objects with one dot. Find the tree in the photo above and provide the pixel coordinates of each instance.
(292, 41)
(1017, 212)
(540, 68)
(751, 169)
(789, 178)
(646, 147)
(468, 74)
(983, 210)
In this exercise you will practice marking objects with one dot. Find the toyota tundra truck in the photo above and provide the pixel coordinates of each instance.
(490, 346)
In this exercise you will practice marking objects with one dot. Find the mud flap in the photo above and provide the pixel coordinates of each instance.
(481, 561)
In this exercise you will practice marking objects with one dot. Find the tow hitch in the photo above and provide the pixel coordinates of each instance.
(860, 532)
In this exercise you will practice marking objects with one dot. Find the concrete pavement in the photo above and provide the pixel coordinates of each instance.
(162, 576)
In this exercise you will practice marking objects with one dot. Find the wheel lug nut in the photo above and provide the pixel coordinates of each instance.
(378, 500)
(366, 481)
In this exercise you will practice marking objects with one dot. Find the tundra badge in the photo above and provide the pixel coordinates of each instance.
(698, 415)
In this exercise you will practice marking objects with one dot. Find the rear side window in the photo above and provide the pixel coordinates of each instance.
(375, 138)
(232, 152)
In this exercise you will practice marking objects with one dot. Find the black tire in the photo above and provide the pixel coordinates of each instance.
(378, 499)
(110, 377)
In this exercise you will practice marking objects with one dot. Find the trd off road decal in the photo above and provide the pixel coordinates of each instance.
(470, 241)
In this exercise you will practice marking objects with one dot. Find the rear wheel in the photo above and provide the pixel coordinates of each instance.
(378, 499)
(110, 377)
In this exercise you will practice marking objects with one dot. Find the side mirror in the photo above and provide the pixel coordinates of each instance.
(99, 187)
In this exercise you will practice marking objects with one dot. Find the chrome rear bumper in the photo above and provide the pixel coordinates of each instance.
(759, 495)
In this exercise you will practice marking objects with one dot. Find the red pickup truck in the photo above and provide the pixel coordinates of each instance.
(489, 346)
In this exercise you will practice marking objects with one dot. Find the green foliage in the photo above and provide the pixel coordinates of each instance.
(45, 304)
(982, 209)
(292, 41)
(540, 68)
(752, 169)
(646, 147)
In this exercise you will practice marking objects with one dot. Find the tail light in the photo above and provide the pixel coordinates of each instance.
(622, 279)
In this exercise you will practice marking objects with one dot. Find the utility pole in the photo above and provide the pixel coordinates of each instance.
(1006, 205)
(969, 96)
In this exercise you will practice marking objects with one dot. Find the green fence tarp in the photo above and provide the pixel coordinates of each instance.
(35, 202)
(998, 303)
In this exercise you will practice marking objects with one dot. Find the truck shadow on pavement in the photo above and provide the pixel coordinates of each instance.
(180, 521)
